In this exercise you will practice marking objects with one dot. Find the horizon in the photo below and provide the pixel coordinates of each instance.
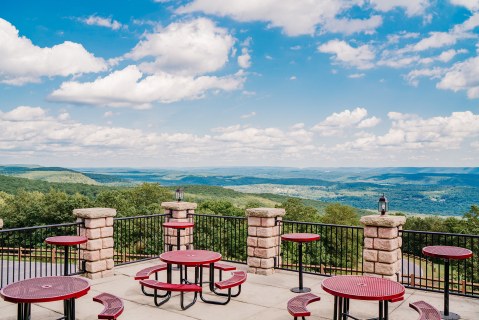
(205, 83)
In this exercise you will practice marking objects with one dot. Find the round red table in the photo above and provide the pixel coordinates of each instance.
(192, 258)
(300, 238)
(344, 288)
(45, 289)
(178, 226)
(66, 242)
(447, 253)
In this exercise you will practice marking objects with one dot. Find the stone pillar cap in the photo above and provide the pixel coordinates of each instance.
(94, 213)
(383, 221)
(179, 205)
(265, 212)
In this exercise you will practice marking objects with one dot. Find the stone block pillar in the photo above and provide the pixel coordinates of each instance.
(178, 212)
(382, 246)
(264, 243)
(98, 251)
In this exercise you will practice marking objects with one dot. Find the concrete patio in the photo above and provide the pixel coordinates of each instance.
(262, 297)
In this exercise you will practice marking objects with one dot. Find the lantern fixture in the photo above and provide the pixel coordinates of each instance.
(383, 205)
(179, 194)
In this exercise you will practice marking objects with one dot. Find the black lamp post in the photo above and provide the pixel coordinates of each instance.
(179, 194)
(383, 205)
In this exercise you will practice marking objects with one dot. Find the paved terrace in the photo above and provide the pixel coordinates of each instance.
(262, 297)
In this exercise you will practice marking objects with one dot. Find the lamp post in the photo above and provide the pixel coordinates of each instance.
(179, 194)
(383, 205)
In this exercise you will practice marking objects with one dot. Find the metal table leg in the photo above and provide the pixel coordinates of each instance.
(300, 289)
(446, 314)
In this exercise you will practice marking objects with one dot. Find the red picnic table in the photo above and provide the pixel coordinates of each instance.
(45, 289)
(66, 242)
(344, 288)
(300, 238)
(447, 253)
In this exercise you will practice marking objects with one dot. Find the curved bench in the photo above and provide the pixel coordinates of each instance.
(297, 305)
(426, 311)
(237, 279)
(113, 306)
(147, 272)
(171, 287)
(221, 267)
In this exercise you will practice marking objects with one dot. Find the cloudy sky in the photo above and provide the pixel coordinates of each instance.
(305, 83)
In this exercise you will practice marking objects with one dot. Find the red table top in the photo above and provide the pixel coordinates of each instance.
(45, 289)
(178, 225)
(66, 240)
(447, 252)
(190, 257)
(363, 288)
(300, 237)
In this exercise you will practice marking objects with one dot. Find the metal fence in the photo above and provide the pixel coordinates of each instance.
(224, 234)
(24, 253)
(338, 252)
(425, 273)
(138, 238)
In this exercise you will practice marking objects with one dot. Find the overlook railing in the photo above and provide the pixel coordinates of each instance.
(224, 234)
(138, 238)
(24, 253)
(425, 273)
(338, 252)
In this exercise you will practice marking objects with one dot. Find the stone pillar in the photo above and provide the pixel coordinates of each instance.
(1, 223)
(382, 246)
(98, 251)
(264, 241)
(178, 212)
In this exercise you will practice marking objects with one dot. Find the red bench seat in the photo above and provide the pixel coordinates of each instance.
(297, 305)
(426, 311)
(113, 306)
(238, 278)
(153, 284)
(145, 273)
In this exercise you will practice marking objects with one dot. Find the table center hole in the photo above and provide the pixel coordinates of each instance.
(46, 286)
(362, 284)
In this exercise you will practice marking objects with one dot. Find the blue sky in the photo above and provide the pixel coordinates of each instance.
(239, 83)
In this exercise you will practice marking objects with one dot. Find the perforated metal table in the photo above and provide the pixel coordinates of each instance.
(66, 242)
(447, 253)
(45, 289)
(344, 288)
(300, 238)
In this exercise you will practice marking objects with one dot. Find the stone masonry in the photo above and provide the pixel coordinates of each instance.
(178, 213)
(382, 246)
(264, 242)
(98, 250)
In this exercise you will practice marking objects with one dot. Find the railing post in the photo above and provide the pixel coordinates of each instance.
(178, 212)
(382, 246)
(97, 226)
(264, 242)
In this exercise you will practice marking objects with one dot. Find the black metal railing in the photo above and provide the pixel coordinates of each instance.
(138, 238)
(224, 234)
(425, 273)
(24, 253)
(338, 252)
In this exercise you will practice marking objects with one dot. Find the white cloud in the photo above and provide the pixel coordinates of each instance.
(102, 22)
(463, 76)
(350, 26)
(356, 75)
(361, 57)
(335, 123)
(297, 47)
(244, 60)
(108, 114)
(369, 123)
(293, 78)
(129, 87)
(23, 113)
(412, 7)
(472, 5)
(186, 48)
(295, 17)
(248, 115)
(22, 62)
(434, 73)
(415, 133)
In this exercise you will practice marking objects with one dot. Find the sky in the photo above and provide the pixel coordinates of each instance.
(299, 83)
